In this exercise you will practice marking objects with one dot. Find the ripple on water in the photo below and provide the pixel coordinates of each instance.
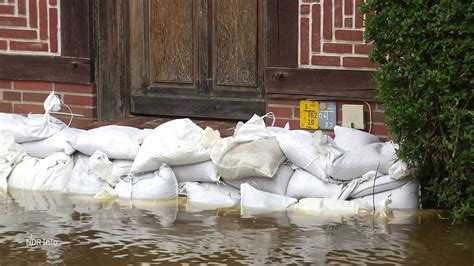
(89, 230)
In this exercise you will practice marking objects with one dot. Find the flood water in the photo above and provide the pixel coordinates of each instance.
(64, 228)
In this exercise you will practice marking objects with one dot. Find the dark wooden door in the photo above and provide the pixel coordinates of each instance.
(197, 58)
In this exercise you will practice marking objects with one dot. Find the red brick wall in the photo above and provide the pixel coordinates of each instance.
(23, 97)
(331, 35)
(30, 27)
(287, 110)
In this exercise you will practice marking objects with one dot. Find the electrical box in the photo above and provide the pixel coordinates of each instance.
(327, 115)
(353, 116)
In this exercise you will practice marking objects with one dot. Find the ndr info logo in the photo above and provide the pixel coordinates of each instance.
(37, 241)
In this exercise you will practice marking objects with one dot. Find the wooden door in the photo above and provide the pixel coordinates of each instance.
(197, 58)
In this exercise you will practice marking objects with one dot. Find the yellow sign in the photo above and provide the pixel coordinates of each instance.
(309, 114)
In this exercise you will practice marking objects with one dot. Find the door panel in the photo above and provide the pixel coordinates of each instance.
(171, 43)
(236, 43)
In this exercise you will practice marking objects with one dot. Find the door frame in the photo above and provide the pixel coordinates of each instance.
(120, 70)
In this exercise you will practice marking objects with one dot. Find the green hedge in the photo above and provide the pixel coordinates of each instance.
(425, 51)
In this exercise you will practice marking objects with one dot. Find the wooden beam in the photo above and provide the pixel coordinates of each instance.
(75, 28)
(320, 82)
(282, 33)
(45, 68)
(112, 61)
(185, 106)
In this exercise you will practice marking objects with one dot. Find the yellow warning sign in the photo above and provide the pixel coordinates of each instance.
(309, 114)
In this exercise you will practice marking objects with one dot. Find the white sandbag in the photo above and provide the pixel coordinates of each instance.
(258, 158)
(11, 154)
(305, 185)
(358, 161)
(298, 148)
(196, 172)
(59, 142)
(318, 206)
(404, 197)
(121, 167)
(117, 142)
(381, 184)
(177, 142)
(102, 167)
(277, 184)
(255, 128)
(350, 138)
(83, 180)
(215, 194)
(251, 197)
(399, 170)
(32, 127)
(50, 173)
(162, 185)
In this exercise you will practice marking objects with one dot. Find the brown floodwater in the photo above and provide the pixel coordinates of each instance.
(75, 229)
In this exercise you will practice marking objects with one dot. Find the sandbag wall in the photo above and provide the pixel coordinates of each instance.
(260, 167)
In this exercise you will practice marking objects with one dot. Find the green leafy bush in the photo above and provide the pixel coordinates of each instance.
(425, 51)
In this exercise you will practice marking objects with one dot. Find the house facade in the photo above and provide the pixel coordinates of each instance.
(222, 59)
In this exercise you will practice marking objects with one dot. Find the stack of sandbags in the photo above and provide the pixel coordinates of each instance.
(11, 154)
(346, 167)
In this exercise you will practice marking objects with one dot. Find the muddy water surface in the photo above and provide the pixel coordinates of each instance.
(63, 228)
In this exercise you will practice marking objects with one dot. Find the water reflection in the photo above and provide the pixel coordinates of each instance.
(81, 229)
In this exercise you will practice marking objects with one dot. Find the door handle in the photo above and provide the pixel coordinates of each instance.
(278, 75)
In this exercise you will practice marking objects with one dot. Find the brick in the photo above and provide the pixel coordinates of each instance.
(80, 100)
(380, 130)
(5, 107)
(337, 48)
(75, 88)
(5, 84)
(325, 60)
(33, 14)
(348, 22)
(348, 7)
(34, 97)
(338, 13)
(28, 46)
(53, 2)
(12, 21)
(53, 29)
(359, 18)
(283, 112)
(3, 45)
(379, 106)
(304, 9)
(25, 108)
(7, 10)
(304, 41)
(294, 124)
(327, 22)
(17, 34)
(11, 96)
(357, 62)
(316, 29)
(362, 48)
(43, 19)
(86, 112)
(378, 117)
(21, 7)
(349, 35)
(283, 102)
(33, 85)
